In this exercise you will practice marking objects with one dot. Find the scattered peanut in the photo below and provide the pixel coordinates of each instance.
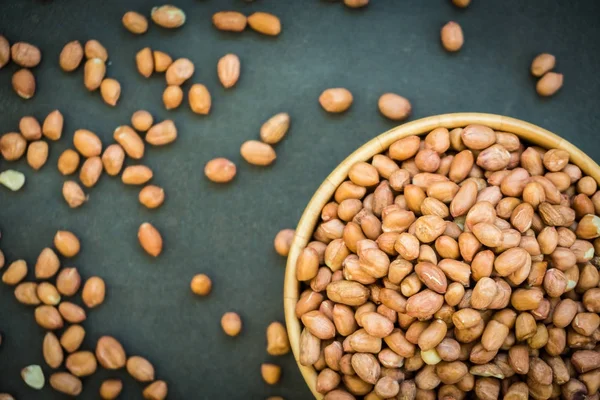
(549, 84)
(231, 323)
(71, 55)
(283, 241)
(275, 128)
(94, 291)
(145, 62)
(168, 16)
(220, 170)
(265, 23)
(258, 153)
(73, 194)
(452, 36)
(30, 128)
(179, 71)
(33, 376)
(136, 175)
(110, 389)
(135, 22)
(228, 70)
(12, 179)
(53, 125)
(110, 89)
(112, 159)
(162, 133)
(152, 196)
(150, 239)
(271, 373)
(94, 49)
(172, 97)
(25, 54)
(232, 21)
(201, 285)
(336, 100)
(142, 120)
(37, 154)
(199, 99)
(23, 83)
(542, 63)
(157, 390)
(93, 73)
(394, 106)
(162, 61)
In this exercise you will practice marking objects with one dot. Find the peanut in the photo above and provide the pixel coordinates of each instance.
(201, 285)
(231, 324)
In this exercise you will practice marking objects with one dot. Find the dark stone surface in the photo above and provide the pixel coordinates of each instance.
(227, 231)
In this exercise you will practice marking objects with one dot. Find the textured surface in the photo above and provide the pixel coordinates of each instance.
(227, 231)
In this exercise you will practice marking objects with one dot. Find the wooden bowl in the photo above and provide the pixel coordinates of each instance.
(304, 231)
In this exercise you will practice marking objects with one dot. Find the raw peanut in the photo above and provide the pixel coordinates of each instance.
(585, 360)
(53, 353)
(265, 23)
(277, 339)
(327, 380)
(23, 83)
(94, 49)
(201, 285)
(376, 324)
(179, 71)
(130, 141)
(172, 97)
(135, 22)
(168, 16)
(232, 21)
(407, 246)
(72, 338)
(310, 348)
(478, 137)
(385, 166)
(93, 73)
(466, 318)
(157, 390)
(454, 294)
(48, 317)
(488, 234)
(228, 70)
(144, 61)
(586, 185)
(347, 292)
(465, 198)
(162, 61)
(37, 154)
(33, 376)
(53, 125)
(47, 293)
(336, 100)
(12, 146)
(363, 174)
(152, 196)
(47, 264)
(270, 373)
(432, 276)
(483, 293)
(542, 63)
(26, 293)
(429, 227)
(564, 312)
(68, 281)
(162, 133)
(452, 36)
(366, 367)
(150, 239)
(4, 56)
(427, 160)
(231, 323)
(509, 141)
(275, 128)
(283, 241)
(456, 270)
(30, 128)
(220, 170)
(140, 369)
(258, 153)
(72, 312)
(87, 143)
(81, 363)
(110, 353)
(356, 4)
(66, 383)
(25, 54)
(588, 227)
(319, 325)
(451, 372)
(405, 148)
(142, 120)
(199, 99)
(494, 158)
(394, 107)
(424, 304)
(113, 158)
(110, 389)
(461, 165)
(71, 55)
(511, 260)
(136, 175)
(90, 171)
(93, 292)
(549, 84)
(555, 159)
(432, 335)
(110, 89)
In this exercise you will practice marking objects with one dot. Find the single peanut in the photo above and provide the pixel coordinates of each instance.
(199, 99)
(135, 23)
(336, 100)
(201, 285)
(220, 170)
(232, 21)
(394, 107)
(168, 16)
(265, 23)
(150, 239)
(228, 70)
(37, 154)
(452, 36)
(152, 196)
(231, 323)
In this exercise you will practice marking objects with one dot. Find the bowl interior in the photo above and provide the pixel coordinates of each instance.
(526, 131)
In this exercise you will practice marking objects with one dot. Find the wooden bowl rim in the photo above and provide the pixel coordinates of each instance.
(525, 130)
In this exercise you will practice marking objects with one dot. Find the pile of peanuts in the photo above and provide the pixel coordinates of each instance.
(460, 262)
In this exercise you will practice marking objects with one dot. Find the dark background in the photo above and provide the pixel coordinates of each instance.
(226, 231)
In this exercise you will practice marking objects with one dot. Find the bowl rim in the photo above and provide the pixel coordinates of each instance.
(304, 230)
